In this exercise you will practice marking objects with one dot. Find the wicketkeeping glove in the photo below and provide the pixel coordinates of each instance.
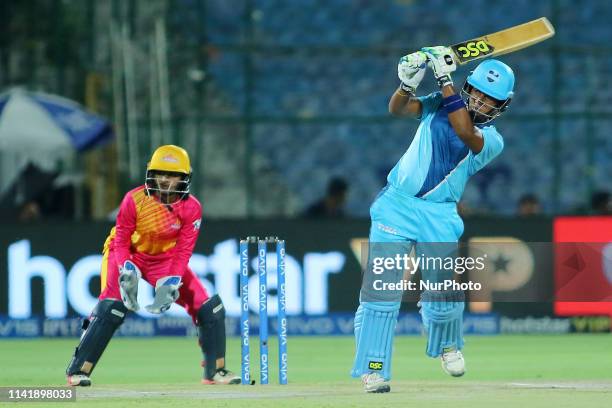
(441, 61)
(411, 70)
(129, 274)
(166, 293)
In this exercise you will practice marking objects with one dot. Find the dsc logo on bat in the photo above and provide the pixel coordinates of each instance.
(473, 49)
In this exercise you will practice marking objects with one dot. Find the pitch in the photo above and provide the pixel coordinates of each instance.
(503, 371)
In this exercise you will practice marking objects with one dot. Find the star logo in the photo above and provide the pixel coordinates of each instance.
(500, 264)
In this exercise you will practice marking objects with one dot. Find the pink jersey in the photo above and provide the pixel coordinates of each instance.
(155, 231)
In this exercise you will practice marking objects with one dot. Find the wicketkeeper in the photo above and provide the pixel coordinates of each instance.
(154, 236)
(455, 139)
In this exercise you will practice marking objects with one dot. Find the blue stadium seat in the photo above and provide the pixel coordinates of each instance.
(357, 83)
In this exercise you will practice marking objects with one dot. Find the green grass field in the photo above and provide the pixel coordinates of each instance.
(503, 371)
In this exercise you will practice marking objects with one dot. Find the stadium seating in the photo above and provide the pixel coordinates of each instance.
(341, 78)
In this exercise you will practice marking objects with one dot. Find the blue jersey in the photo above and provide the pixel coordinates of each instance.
(437, 164)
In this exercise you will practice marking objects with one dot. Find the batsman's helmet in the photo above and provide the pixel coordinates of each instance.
(169, 159)
(495, 79)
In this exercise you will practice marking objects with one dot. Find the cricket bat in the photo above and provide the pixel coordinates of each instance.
(504, 41)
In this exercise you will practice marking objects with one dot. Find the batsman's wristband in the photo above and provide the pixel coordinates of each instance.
(407, 90)
(453, 103)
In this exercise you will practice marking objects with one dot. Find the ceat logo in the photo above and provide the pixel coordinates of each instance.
(170, 158)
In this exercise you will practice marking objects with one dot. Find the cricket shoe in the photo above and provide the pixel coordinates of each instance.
(79, 380)
(375, 383)
(222, 377)
(129, 275)
(453, 363)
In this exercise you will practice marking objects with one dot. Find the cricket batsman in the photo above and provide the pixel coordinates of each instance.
(455, 139)
(156, 230)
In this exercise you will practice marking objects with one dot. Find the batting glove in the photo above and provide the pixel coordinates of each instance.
(441, 61)
(411, 70)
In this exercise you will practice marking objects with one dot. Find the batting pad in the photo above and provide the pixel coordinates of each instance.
(442, 314)
(374, 332)
(357, 323)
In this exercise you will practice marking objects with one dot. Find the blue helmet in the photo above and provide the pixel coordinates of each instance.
(493, 78)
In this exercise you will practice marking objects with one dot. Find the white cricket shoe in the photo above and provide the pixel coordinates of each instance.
(79, 380)
(128, 285)
(223, 377)
(375, 383)
(453, 363)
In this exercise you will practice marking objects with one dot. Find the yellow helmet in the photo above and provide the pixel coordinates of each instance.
(169, 159)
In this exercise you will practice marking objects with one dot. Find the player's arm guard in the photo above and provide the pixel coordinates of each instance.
(166, 293)
(441, 61)
(211, 333)
(411, 70)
